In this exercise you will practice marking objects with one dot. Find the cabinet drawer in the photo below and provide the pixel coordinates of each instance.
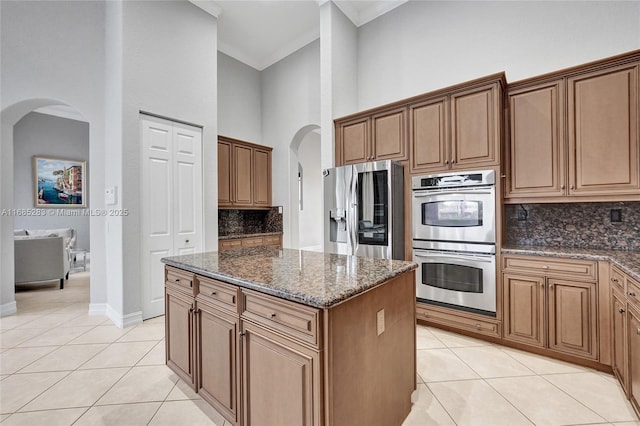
(476, 325)
(229, 244)
(297, 321)
(633, 291)
(618, 280)
(272, 240)
(552, 266)
(218, 293)
(179, 279)
(252, 242)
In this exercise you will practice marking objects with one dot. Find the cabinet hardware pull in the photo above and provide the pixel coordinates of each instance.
(190, 310)
(478, 326)
(545, 267)
(273, 314)
(453, 161)
(631, 293)
(562, 186)
(446, 162)
(614, 280)
(572, 187)
(213, 293)
(177, 280)
(621, 310)
(242, 333)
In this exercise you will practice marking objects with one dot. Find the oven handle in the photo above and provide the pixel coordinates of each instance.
(483, 191)
(480, 258)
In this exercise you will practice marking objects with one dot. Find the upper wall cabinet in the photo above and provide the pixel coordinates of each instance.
(573, 135)
(244, 174)
(460, 130)
(372, 136)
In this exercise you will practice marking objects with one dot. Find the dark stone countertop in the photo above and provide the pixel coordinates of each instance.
(316, 279)
(259, 234)
(627, 261)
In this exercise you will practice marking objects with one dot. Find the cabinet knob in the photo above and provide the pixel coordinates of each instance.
(186, 241)
(545, 267)
(615, 280)
(478, 326)
(213, 293)
(273, 314)
(562, 186)
(631, 293)
(446, 162)
(621, 310)
(572, 187)
(453, 161)
(242, 333)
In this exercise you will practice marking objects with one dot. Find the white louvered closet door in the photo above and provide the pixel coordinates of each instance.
(172, 209)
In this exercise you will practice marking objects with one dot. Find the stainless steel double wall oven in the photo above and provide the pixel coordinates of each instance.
(454, 237)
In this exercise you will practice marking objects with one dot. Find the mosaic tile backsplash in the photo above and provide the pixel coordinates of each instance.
(576, 225)
(238, 222)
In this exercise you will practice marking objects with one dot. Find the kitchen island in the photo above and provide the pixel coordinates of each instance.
(287, 337)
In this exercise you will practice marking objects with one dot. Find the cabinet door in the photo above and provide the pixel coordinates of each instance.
(389, 135)
(524, 309)
(619, 323)
(429, 135)
(572, 317)
(179, 340)
(536, 146)
(242, 175)
(475, 127)
(261, 177)
(281, 380)
(224, 174)
(603, 132)
(217, 356)
(353, 142)
(634, 357)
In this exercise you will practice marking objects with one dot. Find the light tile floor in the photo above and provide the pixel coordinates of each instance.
(60, 366)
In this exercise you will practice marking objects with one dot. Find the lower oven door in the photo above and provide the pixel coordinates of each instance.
(465, 281)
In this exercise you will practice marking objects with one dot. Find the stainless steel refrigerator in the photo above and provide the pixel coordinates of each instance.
(363, 210)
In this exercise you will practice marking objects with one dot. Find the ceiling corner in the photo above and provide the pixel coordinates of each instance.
(209, 6)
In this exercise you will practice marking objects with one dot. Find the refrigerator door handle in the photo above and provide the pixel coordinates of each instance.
(354, 211)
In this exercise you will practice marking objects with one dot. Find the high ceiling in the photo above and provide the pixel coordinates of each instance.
(262, 32)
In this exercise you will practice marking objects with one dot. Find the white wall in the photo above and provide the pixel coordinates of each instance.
(425, 45)
(290, 101)
(52, 53)
(311, 216)
(169, 69)
(48, 136)
(239, 102)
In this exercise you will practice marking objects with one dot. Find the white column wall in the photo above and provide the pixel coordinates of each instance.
(169, 69)
(52, 53)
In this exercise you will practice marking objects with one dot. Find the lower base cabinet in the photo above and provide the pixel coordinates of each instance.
(217, 354)
(634, 356)
(619, 336)
(179, 335)
(278, 375)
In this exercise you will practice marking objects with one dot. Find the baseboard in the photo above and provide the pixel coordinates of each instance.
(97, 309)
(8, 309)
(124, 321)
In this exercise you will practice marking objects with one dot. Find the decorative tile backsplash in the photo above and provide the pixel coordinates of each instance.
(577, 225)
(233, 222)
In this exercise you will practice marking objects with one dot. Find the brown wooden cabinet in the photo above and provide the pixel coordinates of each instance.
(458, 130)
(280, 379)
(179, 325)
(574, 134)
(267, 240)
(551, 303)
(620, 340)
(372, 136)
(634, 356)
(603, 132)
(244, 174)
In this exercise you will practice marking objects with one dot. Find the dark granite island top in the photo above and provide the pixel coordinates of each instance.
(315, 279)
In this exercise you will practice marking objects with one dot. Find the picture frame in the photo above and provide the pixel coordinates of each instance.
(59, 182)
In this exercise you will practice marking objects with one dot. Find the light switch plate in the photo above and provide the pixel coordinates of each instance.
(380, 321)
(110, 195)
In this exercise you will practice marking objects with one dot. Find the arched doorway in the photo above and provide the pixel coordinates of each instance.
(305, 182)
(10, 116)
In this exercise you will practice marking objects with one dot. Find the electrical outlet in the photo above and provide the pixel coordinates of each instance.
(380, 321)
(615, 215)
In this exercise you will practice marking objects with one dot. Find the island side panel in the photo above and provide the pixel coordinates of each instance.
(370, 377)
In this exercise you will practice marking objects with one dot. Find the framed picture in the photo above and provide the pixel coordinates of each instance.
(59, 182)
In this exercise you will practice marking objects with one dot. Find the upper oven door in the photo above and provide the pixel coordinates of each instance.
(460, 214)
